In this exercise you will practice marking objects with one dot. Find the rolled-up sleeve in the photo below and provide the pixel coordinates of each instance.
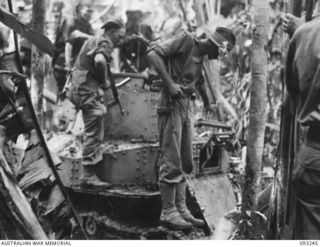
(174, 46)
(104, 47)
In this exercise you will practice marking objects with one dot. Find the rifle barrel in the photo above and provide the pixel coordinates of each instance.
(210, 123)
(123, 82)
(114, 90)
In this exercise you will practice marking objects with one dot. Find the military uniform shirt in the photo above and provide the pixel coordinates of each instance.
(92, 47)
(184, 64)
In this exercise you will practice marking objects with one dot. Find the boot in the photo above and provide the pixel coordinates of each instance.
(182, 207)
(170, 217)
(89, 178)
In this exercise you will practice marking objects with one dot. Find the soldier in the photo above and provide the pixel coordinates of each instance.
(303, 83)
(133, 51)
(89, 79)
(183, 55)
(79, 31)
(69, 40)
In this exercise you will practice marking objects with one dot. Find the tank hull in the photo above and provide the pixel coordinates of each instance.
(134, 198)
(130, 165)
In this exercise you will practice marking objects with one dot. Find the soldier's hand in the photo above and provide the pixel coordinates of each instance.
(175, 90)
(290, 23)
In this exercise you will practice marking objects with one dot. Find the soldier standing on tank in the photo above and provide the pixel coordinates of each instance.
(88, 82)
(178, 62)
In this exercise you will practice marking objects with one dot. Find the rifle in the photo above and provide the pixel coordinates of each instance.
(211, 123)
(287, 157)
(116, 100)
(283, 212)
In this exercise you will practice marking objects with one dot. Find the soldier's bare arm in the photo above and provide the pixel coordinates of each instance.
(203, 93)
(159, 65)
(100, 63)
(68, 52)
(78, 34)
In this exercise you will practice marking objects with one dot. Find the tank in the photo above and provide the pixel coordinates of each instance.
(130, 209)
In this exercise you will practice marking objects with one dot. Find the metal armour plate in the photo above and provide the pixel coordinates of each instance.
(140, 117)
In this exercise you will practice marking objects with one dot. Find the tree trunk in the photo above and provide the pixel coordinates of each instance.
(258, 105)
(37, 60)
